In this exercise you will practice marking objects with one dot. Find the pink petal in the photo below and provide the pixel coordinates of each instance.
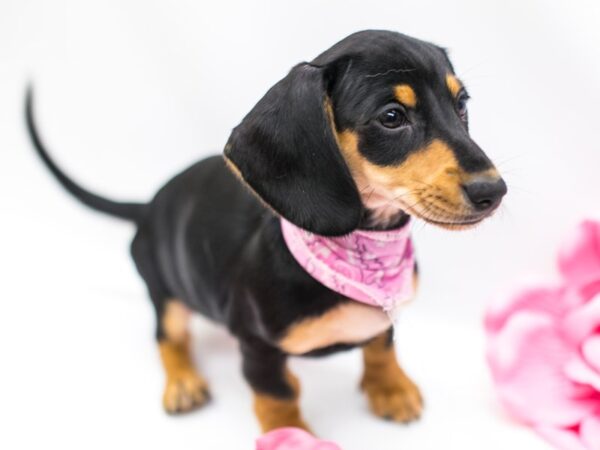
(580, 372)
(549, 300)
(561, 438)
(527, 358)
(292, 439)
(582, 321)
(590, 432)
(591, 352)
(579, 258)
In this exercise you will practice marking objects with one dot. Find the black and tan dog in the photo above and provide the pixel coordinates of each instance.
(371, 131)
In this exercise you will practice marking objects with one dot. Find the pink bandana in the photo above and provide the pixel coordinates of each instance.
(372, 267)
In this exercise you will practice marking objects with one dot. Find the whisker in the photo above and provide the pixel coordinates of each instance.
(413, 192)
(423, 182)
(508, 159)
(370, 194)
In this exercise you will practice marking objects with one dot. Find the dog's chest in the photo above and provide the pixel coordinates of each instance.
(349, 323)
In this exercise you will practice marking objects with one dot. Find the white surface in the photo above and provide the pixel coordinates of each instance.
(129, 92)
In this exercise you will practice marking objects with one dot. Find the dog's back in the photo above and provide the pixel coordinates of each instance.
(202, 218)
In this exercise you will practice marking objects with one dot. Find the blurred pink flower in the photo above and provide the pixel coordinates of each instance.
(544, 348)
(292, 439)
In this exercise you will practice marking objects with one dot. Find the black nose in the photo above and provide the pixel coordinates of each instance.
(485, 194)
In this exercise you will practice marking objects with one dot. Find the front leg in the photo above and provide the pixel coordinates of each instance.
(276, 389)
(391, 394)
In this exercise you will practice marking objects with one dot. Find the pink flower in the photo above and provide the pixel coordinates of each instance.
(544, 348)
(292, 439)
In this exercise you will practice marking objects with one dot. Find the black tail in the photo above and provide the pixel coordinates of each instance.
(129, 211)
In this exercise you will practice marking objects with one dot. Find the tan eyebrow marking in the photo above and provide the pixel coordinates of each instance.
(405, 95)
(454, 85)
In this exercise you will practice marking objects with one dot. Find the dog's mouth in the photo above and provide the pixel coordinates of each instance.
(430, 206)
(459, 218)
(456, 224)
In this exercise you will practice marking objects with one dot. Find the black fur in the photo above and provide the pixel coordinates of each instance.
(286, 150)
(379, 60)
(209, 241)
(129, 211)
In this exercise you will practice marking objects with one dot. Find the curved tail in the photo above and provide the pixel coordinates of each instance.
(129, 211)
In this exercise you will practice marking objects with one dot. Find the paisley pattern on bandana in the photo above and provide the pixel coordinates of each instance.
(372, 267)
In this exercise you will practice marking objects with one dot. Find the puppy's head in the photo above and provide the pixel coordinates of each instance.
(375, 127)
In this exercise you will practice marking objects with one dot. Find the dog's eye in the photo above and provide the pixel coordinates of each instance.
(461, 105)
(392, 117)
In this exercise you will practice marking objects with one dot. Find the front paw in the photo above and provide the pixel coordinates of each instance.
(394, 398)
(184, 392)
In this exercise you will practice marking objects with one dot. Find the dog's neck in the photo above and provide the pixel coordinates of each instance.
(374, 221)
(372, 267)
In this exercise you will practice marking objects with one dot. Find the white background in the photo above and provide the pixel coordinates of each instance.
(128, 93)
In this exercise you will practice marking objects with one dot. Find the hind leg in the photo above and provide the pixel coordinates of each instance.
(185, 388)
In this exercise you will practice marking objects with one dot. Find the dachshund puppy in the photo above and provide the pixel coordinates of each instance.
(343, 148)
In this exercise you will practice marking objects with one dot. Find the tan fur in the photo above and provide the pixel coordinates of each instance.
(185, 388)
(427, 184)
(329, 114)
(175, 321)
(415, 281)
(236, 171)
(391, 394)
(349, 323)
(453, 84)
(273, 413)
(406, 95)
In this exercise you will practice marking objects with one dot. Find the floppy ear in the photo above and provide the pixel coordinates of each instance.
(286, 150)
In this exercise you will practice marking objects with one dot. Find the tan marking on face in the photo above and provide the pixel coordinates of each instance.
(273, 412)
(453, 84)
(373, 196)
(485, 175)
(406, 95)
(433, 165)
(391, 393)
(349, 323)
(427, 184)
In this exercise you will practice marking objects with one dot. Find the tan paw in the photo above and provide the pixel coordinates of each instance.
(185, 392)
(394, 399)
